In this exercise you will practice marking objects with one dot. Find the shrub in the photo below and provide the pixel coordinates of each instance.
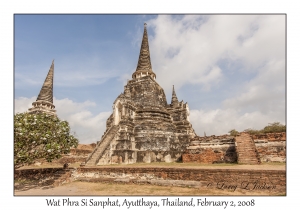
(252, 131)
(233, 132)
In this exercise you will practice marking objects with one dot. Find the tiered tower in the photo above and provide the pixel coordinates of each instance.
(143, 126)
(44, 101)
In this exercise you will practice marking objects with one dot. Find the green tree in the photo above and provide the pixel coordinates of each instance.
(40, 136)
(275, 127)
(252, 131)
(233, 132)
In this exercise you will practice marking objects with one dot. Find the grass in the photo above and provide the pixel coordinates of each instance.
(153, 164)
(23, 181)
(164, 164)
(269, 165)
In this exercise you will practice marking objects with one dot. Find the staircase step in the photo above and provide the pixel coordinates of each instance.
(246, 150)
(100, 148)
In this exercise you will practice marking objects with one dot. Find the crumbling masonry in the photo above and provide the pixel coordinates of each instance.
(143, 126)
(244, 149)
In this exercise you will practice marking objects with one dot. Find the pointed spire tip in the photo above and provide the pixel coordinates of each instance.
(144, 62)
(174, 97)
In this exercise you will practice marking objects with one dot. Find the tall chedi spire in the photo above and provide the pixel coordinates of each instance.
(44, 101)
(144, 67)
(174, 101)
(46, 93)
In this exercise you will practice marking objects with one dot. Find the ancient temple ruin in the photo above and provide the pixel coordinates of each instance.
(44, 101)
(244, 148)
(143, 126)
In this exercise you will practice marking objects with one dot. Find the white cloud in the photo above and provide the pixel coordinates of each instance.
(187, 50)
(265, 93)
(193, 49)
(22, 104)
(220, 121)
(87, 126)
(66, 106)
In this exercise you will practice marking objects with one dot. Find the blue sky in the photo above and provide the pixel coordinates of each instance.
(229, 68)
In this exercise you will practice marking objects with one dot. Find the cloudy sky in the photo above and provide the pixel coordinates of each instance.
(229, 68)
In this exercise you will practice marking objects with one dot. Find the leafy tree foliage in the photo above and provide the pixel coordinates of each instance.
(233, 132)
(253, 131)
(40, 136)
(275, 127)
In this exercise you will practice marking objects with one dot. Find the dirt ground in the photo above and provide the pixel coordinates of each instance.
(264, 166)
(121, 189)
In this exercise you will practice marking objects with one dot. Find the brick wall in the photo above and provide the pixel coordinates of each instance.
(211, 149)
(255, 180)
(271, 147)
(43, 176)
(36, 174)
(225, 154)
(80, 152)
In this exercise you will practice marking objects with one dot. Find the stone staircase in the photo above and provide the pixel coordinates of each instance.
(246, 150)
(101, 146)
